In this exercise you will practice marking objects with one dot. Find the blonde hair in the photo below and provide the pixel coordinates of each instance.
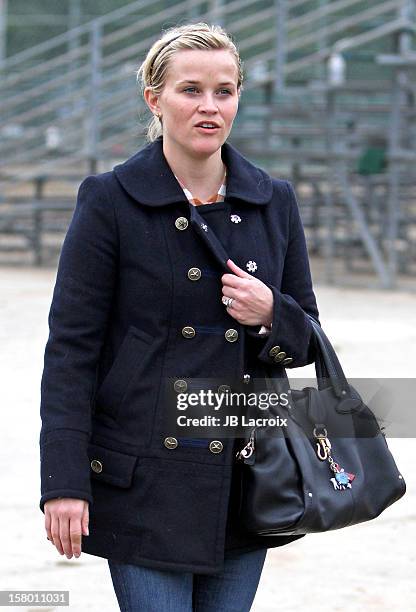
(153, 70)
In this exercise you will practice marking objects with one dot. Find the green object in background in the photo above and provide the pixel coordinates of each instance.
(372, 161)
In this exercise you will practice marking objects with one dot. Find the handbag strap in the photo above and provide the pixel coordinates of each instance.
(327, 366)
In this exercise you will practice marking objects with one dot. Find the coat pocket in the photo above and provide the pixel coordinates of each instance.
(110, 466)
(180, 510)
(114, 488)
(126, 365)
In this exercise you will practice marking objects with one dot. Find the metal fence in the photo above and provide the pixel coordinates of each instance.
(327, 86)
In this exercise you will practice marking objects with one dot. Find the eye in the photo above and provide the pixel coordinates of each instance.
(194, 88)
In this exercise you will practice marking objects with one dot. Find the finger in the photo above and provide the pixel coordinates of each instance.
(231, 280)
(85, 520)
(75, 535)
(235, 313)
(48, 525)
(240, 294)
(230, 292)
(55, 533)
(65, 536)
(237, 270)
(230, 307)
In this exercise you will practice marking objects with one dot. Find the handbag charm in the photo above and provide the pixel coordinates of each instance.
(342, 479)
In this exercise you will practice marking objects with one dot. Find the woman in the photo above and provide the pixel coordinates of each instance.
(184, 262)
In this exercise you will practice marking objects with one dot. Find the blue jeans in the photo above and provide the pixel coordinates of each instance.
(144, 589)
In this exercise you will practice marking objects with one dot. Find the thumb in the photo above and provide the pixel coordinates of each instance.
(237, 270)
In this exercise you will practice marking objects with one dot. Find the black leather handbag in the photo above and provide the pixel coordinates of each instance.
(329, 468)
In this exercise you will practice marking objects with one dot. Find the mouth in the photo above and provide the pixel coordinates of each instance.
(207, 128)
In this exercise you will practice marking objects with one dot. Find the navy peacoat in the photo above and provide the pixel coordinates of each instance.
(122, 309)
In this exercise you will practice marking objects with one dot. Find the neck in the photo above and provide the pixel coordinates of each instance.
(201, 175)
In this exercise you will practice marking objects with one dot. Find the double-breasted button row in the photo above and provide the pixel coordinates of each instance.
(279, 356)
(231, 335)
(181, 386)
(182, 222)
(215, 446)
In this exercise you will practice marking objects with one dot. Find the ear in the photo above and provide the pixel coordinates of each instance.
(151, 99)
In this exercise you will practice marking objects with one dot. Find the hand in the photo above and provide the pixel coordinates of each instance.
(253, 300)
(66, 519)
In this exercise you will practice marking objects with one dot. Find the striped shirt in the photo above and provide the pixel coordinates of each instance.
(216, 197)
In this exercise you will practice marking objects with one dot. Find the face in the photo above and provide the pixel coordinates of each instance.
(201, 85)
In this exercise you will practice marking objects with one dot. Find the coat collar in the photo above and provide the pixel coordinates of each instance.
(148, 178)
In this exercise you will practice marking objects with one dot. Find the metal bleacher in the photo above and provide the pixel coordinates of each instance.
(71, 106)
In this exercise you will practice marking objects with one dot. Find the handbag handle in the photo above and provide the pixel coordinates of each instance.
(327, 366)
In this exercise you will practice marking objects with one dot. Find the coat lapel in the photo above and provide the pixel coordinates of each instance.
(209, 237)
(148, 178)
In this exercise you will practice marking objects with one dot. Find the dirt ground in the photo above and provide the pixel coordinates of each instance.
(362, 568)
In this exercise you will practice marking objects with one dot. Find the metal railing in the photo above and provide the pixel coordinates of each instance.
(80, 89)
(77, 92)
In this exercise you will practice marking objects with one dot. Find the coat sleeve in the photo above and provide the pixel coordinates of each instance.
(78, 317)
(292, 330)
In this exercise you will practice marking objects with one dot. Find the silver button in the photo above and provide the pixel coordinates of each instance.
(96, 466)
(246, 378)
(170, 442)
(181, 223)
(280, 356)
(224, 389)
(215, 446)
(231, 335)
(188, 332)
(274, 350)
(287, 360)
(194, 274)
(180, 385)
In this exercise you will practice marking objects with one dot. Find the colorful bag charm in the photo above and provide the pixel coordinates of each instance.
(342, 479)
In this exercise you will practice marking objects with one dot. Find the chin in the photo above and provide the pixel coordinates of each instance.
(207, 147)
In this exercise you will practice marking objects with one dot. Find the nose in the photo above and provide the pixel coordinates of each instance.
(208, 104)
